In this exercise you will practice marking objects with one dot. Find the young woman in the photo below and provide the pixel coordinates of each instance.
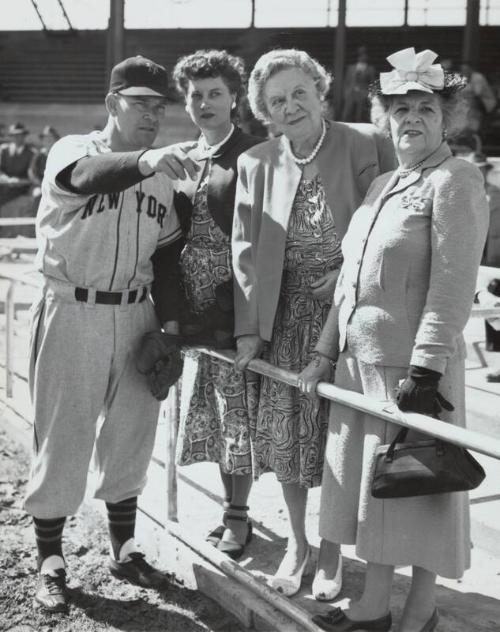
(218, 402)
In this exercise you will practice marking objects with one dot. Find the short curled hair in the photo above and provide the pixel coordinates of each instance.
(453, 99)
(203, 64)
(281, 59)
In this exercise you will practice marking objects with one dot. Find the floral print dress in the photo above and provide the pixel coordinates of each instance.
(289, 433)
(217, 401)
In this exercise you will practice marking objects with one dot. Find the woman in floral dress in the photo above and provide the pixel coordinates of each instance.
(217, 402)
(294, 200)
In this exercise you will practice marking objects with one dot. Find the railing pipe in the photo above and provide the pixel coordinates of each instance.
(485, 312)
(9, 332)
(171, 414)
(383, 410)
(17, 221)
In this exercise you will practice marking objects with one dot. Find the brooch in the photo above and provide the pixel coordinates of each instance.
(414, 202)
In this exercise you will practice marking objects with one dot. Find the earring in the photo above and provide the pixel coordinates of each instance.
(445, 133)
(233, 105)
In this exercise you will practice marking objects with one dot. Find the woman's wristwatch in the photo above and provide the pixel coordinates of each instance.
(319, 356)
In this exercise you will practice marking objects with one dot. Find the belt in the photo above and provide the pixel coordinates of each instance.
(110, 298)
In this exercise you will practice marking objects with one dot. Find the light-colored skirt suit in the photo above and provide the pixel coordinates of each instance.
(404, 294)
(427, 531)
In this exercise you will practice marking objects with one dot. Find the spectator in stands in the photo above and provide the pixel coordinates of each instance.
(294, 200)
(491, 256)
(405, 292)
(15, 158)
(489, 296)
(357, 79)
(218, 401)
(48, 137)
(482, 98)
(16, 155)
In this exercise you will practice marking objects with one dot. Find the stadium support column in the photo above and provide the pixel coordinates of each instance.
(339, 61)
(116, 33)
(470, 48)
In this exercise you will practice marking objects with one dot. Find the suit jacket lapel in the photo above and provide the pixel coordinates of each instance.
(286, 179)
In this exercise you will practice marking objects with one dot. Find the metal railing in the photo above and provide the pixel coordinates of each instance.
(17, 221)
(13, 279)
(383, 410)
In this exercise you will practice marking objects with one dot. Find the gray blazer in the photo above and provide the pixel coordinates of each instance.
(350, 158)
(411, 258)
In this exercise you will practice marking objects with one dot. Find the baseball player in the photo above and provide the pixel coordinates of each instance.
(106, 228)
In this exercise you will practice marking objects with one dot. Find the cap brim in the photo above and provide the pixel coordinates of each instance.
(138, 91)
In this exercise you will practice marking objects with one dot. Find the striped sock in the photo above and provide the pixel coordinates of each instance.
(48, 535)
(121, 522)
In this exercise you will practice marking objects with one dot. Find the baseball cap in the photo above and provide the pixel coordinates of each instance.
(138, 76)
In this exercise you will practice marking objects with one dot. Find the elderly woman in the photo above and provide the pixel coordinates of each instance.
(217, 401)
(294, 200)
(404, 295)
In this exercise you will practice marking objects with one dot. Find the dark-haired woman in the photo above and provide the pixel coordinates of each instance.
(216, 400)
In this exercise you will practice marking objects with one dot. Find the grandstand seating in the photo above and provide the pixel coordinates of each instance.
(70, 67)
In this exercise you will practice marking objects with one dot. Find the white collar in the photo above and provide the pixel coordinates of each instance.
(213, 149)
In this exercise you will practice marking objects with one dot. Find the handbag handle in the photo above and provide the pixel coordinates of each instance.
(400, 438)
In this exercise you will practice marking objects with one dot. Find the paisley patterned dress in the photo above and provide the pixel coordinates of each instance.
(289, 434)
(217, 402)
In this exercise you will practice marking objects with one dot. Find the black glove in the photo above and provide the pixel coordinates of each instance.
(158, 357)
(419, 393)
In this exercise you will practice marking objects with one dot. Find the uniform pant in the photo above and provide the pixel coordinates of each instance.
(87, 394)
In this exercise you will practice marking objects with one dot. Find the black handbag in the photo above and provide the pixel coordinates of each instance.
(420, 468)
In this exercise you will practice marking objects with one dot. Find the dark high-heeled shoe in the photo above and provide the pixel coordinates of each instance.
(215, 536)
(231, 548)
(337, 621)
(431, 623)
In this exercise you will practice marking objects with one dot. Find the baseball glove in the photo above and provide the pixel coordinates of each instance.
(159, 359)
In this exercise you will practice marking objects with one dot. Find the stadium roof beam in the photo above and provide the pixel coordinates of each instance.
(35, 6)
(116, 33)
(40, 17)
(339, 57)
(470, 48)
(66, 17)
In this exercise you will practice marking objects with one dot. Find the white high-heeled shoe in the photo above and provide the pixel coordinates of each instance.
(327, 589)
(289, 585)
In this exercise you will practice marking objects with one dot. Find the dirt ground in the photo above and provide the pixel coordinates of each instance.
(98, 601)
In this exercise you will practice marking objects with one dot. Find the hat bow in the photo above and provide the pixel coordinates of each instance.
(412, 71)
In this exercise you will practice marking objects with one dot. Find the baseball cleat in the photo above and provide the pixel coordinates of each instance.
(51, 594)
(137, 571)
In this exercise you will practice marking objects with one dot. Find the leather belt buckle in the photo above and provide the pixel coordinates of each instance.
(109, 298)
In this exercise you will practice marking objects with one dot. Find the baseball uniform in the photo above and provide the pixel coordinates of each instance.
(95, 255)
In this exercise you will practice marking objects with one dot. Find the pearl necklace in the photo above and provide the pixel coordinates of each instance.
(313, 154)
(403, 173)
